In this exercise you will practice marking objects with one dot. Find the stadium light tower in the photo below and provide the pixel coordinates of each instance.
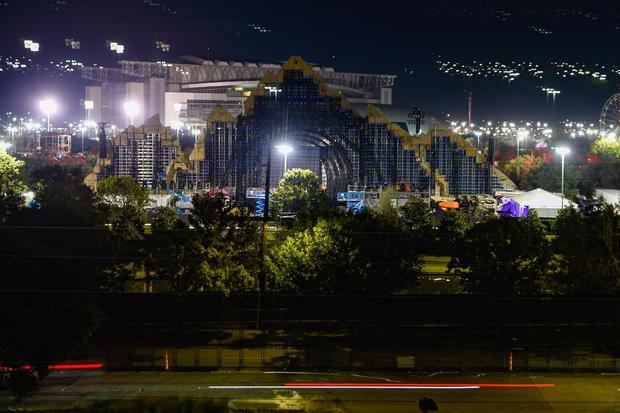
(12, 129)
(131, 110)
(553, 93)
(177, 125)
(562, 151)
(48, 107)
(285, 149)
(89, 105)
(522, 135)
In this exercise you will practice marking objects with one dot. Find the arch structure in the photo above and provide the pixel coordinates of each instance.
(350, 148)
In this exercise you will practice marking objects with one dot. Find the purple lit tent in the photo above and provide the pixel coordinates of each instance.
(510, 207)
(546, 204)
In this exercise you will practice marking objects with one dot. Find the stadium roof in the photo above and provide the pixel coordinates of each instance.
(214, 70)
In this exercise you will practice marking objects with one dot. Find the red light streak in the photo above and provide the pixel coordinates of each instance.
(84, 366)
(66, 366)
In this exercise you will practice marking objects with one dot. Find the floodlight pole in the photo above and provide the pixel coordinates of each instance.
(563, 151)
(563, 154)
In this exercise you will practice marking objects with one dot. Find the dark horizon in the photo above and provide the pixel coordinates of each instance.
(404, 41)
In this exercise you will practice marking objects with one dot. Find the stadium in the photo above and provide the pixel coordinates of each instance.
(340, 125)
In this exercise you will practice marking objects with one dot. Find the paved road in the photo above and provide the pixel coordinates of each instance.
(569, 393)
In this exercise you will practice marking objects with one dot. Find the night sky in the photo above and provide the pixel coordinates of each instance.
(402, 38)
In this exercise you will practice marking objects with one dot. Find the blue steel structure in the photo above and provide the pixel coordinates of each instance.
(347, 149)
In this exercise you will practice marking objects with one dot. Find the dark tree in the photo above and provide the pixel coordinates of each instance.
(350, 254)
(59, 244)
(452, 228)
(416, 221)
(218, 254)
(549, 177)
(503, 256)
(415, 217)
(122, 202)
(588, 250)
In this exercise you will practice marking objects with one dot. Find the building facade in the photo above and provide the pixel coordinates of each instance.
(146, 153)
(186, 92)
(361, 146)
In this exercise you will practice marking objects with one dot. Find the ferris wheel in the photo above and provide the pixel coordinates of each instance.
(610, 117)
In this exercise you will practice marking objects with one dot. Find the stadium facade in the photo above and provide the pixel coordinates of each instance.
(187, 92)
(352, 146)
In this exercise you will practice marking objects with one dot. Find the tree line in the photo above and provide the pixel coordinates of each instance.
(70, 238)
(75, 239)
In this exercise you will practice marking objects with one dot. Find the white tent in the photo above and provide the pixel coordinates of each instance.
(545, 203)
(610, 196)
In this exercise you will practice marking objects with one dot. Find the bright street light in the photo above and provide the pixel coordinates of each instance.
(116, 47)
(31, 45)
(273, 89)
(48, 107)
(131, 110)
(285, 149)
(562, 151)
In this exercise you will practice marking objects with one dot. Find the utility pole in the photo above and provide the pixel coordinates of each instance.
(262, 277)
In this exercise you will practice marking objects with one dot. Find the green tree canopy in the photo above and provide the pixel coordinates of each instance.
(520, 167)
(123, 200)
(385, 208)
(588, 248)
(217, 255)
(11, 186)
(503, 256)
(549, 177)
(9, 174)
(452, 228)
(349, 254)
(607, 147)
(123, 191)
(299, 192)
(416, 217)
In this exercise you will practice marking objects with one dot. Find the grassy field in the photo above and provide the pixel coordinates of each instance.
(433, 264)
